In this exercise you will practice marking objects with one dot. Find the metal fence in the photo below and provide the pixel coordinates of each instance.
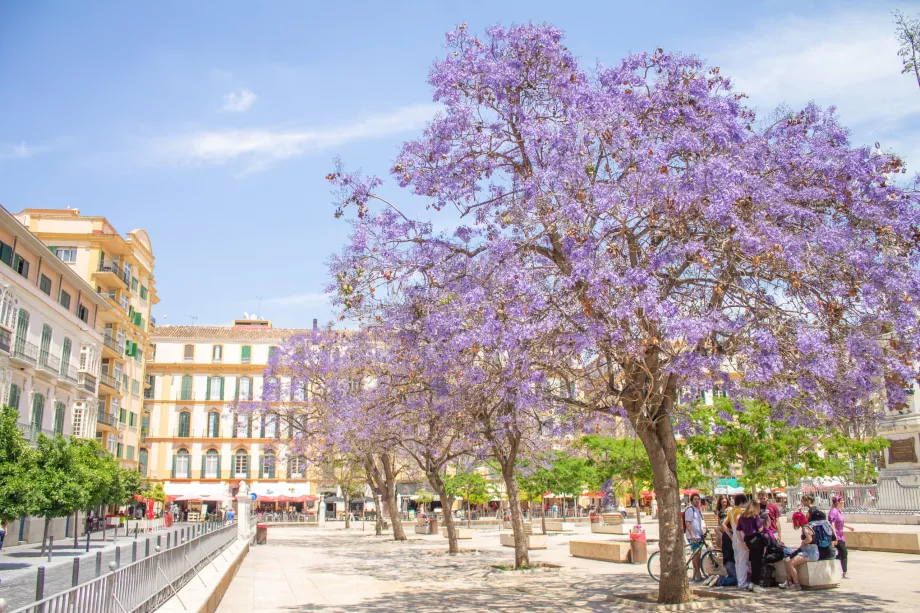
(889, 496)
(145, 585)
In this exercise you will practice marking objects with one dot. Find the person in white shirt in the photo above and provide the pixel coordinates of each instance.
(693, 528)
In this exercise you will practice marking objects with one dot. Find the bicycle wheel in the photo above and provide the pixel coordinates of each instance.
(712, 564)
(654, 566)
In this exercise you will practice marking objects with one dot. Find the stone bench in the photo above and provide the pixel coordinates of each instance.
(893, 542)
(534, 541)
(528, 527)
(612, 519)
(605, 551)
(462, 533)
(557, 525)
(820, 575)
(607, 529)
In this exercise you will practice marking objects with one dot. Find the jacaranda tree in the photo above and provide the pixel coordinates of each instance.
(642, 219)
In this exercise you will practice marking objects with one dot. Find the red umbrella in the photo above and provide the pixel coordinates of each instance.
(594, 494)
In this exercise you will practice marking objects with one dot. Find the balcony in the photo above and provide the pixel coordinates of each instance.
(87, 381)
(153, 321)
(5, 340)
(106, 419)
(25, 352)
(111, 271)
(31, 432)
(49, 363)
(68, 374)
(110, 381)
(110, 343)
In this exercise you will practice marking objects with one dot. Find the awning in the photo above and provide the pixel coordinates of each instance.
(304, 498)
(171, 498)
(266, 498)
(139, 498)
(594, 494)
(689, 492)
(188, 497)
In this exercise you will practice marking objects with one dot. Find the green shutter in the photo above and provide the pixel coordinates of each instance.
(247, 352)
(207, 391)
(248, 465)
(218, 465)
(14, 396)
(52, 249)
(221, 388)
(203, 456)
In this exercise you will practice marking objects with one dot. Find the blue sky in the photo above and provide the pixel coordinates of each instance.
(212, 124)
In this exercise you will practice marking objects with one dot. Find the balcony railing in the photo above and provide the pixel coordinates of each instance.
(87, 381)
(24, 350)
(107, 418)
(49, 362)
(5, 340)
(114, 268)
(107, 379)
(31, 432)
(69, 373)
(153, 321)
(112, 344)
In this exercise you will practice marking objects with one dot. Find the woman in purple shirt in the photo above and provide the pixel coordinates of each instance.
(750, 525)
(837, 519)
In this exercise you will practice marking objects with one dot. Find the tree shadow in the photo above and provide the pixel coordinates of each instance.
(13, 566)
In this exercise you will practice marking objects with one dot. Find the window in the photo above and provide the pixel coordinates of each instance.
(135, 387)
(124, 382)
(132, 419)
(211, 468)
(186, 393)
(123, 301)
(44, 285)
(181, 464)
(185, 424)
(65, 300)
(46, 344)
(242, 426)
(21, 266)
(6, 254)
(245, 388)
(22, 326)
(297, 466)
(66, 254)
(143, 293)
(149, 388)
(83, 313)
(120, 453)
(133, 284)
(217, 354)
(213, 425)
(130, 454)
(270, 426)
(142, 462)
(241, 464)
(123, 416)
(66, 348)
(15, 392)
(59, 417)
(215, 388)
(110, 445)
(189, 354)
(267, 470)
(246, 354)
(271, 351)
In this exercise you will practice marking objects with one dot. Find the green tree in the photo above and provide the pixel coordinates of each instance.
(155, 491)
(621, 460)
(471, 486)
(17, 488)
(424, 498)
(534, 480)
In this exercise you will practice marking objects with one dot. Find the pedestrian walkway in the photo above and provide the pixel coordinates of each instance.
(333, 571)
(19, 564)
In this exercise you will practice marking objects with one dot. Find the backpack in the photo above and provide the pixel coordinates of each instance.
(767, 576)
(773, 552)
(822, 534)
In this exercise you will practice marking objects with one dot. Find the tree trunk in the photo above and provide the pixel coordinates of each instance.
(542, 514)
(654, 430)
(447, 503)
(469, 514)
(521, 557)
(636, 500)
(76, 529)
(389, 471)
(347, 499)
(45, 537)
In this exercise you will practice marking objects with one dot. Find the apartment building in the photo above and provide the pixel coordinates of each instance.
(50, 348)
(194, 441)
(120, 271)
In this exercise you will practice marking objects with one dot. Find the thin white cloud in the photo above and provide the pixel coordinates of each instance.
(238, 102)
(299, 299)
(258, 148)
(846, 59)
(20, 151)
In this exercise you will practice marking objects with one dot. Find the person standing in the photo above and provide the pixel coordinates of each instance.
(693, 528)
(723, 506)
(2, 534)
(769, 514)
(740, 550)
(751, 526)
(837, 519)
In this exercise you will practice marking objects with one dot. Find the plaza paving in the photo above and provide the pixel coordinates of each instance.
(333, 571)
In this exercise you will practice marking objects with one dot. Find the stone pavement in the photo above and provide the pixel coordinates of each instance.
(19, 564)
(334, 571)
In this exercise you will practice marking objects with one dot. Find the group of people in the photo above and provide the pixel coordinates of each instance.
(752, 540)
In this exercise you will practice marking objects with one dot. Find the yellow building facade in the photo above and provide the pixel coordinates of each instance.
(120, 269)
(195, 443)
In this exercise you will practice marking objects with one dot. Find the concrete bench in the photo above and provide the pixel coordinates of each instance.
(608, 529)
(606, 551)
(557, 525)
(893, 542)
(612, 519)
(534, 541)
(820, 575)
(462, 533)
(528, 527)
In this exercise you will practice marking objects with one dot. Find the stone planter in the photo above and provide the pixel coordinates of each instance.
(534, 541)
(462, 533)
(606, 551)
(606, 529)
(557, 525)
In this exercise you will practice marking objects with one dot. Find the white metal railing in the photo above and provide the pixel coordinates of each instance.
(142, 586)
(889, 496)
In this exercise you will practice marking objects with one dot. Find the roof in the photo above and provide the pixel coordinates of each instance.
(242, 333)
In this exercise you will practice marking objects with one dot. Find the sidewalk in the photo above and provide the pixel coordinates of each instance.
(19, 564)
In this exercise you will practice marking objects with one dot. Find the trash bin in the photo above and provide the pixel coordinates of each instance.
(261, 534)
(638, 548)
(433, 525)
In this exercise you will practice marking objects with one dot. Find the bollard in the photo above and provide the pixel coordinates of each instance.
(147, 548)
(135, 532)
(50, 546)
(87, 541)
(98, 563)
(117, 557)
(158, 540)
(167, 540)
(134, 551)
(75, 577)
(40, 583)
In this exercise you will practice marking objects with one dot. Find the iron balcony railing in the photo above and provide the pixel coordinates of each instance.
(112, 344)
(107, 379)
(87, 381)
(6, 339)
(107, 418)
(114, 268)
(49, 362)
(32, 432)
(24, 350)
(153, 321)
(68, 373)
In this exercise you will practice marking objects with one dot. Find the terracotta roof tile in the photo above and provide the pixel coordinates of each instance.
(241, 333)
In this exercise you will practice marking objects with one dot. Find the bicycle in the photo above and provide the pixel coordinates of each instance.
(710, 560)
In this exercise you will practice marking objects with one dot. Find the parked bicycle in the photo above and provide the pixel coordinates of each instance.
(710, 560)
